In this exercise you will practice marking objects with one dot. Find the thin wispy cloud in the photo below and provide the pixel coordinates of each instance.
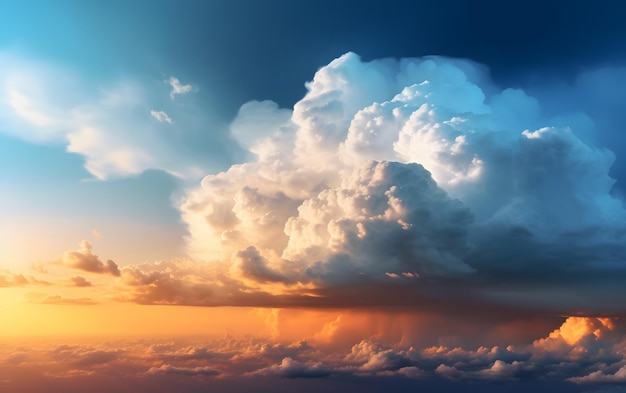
(177, 87)
(161, 116)
(49, 104)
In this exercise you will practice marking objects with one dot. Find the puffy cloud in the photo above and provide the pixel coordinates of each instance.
(161, 116)
(618, 376)
(253, 265)
(175, 282)
(82, 357)
(183, 282)
(289, 368)
(420, 175)
(85, 260)
(177, 87)
(582, 344)
(257, 121)
(498, 371)
(385, 217)
(372, 357)
(79, 281)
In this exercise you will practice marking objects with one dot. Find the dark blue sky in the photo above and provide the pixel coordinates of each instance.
(266, 49)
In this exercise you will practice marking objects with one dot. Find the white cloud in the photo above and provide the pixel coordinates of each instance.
(258, 120)
(160, 116)
(23, 106)
(103, 121)
(384, 217)
(177, 87)
(335, 195)
(371, 357)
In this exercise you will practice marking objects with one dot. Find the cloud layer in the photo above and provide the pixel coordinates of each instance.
(582, 352)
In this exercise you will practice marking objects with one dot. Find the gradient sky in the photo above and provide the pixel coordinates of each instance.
(316, 195)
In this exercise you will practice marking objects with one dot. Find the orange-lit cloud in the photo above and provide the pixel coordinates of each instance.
(8, 279)
(189, 360)
(36, 297)
(79, 281)
(85, 260)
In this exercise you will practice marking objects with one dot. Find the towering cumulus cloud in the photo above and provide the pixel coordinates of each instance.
(416, 174)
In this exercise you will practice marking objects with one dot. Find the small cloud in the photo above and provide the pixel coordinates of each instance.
(96, 233)
(290, 368)
(80, 282)
(161, 116)
(41, 298)
(169, 369)
(86, 261)
(8, 279)
(177, 87)
(70, 373)
(81, 357)
(600, 377)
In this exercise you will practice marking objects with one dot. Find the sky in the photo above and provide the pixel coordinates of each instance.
(329, 195)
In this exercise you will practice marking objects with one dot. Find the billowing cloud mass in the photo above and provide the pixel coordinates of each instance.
(86, 261)
(421, 177)
(411, 182)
